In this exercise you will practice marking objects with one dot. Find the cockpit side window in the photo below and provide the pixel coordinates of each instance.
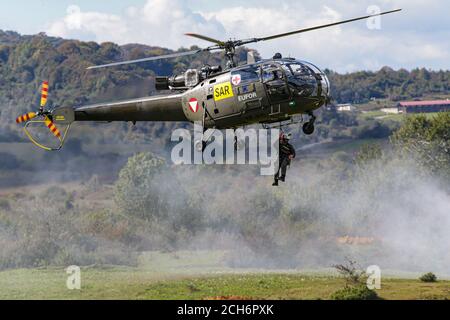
(274, 79)
(271, 72)
(303, 79)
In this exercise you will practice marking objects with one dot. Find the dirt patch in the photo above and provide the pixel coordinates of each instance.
(355, 240)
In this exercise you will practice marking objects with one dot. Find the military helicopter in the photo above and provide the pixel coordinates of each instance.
(267, 92)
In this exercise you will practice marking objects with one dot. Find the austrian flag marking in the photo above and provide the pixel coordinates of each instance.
(193, 104)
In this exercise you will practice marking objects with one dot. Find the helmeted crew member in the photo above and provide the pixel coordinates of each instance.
(286, 154)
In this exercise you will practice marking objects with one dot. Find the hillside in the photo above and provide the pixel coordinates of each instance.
(26, 60)
(362, 86)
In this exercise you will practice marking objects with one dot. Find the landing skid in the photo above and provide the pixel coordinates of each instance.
(283, 123)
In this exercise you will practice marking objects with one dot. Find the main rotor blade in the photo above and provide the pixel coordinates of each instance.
(167, 56)
(199, 36)
(315, 28)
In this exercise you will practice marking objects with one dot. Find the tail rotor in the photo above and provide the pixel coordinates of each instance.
(46, 117)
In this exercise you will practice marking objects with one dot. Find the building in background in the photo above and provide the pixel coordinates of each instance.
(394, 110)
(346, 107)
(423, 106)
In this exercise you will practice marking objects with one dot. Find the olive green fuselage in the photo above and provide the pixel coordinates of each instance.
(264, 92)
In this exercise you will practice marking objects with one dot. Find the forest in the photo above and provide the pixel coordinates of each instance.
(27, 60)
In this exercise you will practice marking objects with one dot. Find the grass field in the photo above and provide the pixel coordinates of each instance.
(196, 275)
(379, 115)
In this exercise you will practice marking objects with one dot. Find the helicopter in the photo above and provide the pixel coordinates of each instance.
(270, 92)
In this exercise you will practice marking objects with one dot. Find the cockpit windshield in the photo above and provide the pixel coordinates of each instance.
(302, 79)
(325, 83)
(300, 70)
(306, 77)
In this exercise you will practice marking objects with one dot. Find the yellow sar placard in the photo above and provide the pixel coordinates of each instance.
(223, 91)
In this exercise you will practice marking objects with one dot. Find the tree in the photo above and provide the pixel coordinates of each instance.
(157, 202)
(427, 140)
(136, 192)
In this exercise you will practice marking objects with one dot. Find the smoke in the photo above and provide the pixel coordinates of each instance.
(404, 212)
(397, 217)
(387, 212)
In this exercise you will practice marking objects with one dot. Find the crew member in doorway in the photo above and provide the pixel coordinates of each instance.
(286, 154)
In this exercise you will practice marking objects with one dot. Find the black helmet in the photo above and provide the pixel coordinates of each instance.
(277, 56)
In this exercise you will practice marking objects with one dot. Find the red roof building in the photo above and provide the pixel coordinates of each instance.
(424, 106)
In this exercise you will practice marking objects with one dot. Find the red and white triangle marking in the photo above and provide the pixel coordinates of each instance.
(193, 104)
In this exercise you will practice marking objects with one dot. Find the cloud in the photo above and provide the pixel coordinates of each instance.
(402, 40)
(409, 39)
(158, 22)
(94, 26)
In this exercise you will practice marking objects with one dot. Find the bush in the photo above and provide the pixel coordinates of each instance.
(351, 273)
(428, 277)
(368, 153)
(355, 293)
(373, 130)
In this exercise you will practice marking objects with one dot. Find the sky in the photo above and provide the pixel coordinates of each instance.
(416, 37)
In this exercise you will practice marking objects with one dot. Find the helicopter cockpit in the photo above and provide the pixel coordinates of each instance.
(320, 76)
(303, 78)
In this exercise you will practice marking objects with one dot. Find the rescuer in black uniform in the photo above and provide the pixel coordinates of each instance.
(286, 154)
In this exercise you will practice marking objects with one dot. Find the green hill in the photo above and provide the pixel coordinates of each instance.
(362, 86)
(27, 60)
